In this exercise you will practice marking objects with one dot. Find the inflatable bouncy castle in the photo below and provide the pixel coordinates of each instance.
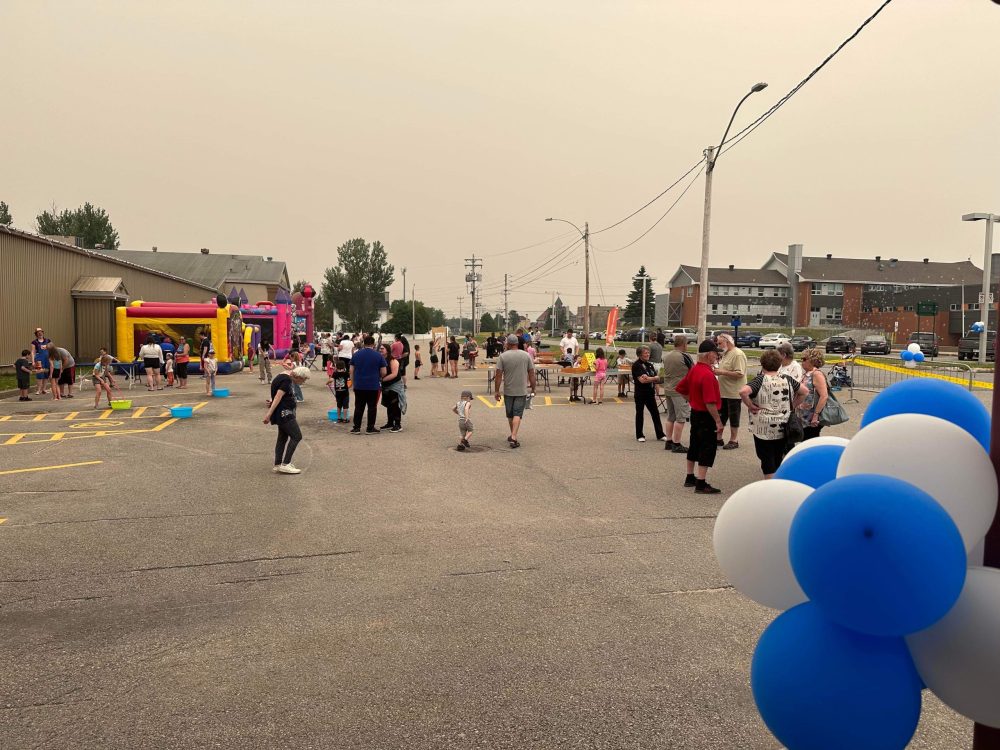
(273, 321)
(176, 320)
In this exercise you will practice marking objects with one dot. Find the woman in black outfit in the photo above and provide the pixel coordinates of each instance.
(281, 413)
(453, 350)
(391, 391)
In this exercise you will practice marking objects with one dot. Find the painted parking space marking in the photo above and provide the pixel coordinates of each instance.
(492, 403)
(96, 423)
(50, 468)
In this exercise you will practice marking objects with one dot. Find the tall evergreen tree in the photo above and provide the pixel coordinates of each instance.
(633, 307)
(90, 223)
(5, 218)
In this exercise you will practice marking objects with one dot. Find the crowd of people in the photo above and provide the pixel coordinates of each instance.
(710, 390)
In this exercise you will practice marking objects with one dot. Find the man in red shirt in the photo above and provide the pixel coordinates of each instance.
(702, 390)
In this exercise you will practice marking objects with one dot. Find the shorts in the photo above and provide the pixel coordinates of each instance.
(151, 363)
(730, 411)
(23, 382)
(181, 370)
(600, 378)
(465, 426)
(67, 376)
(703, 446)
(515, 405)
(678, 409)
(770, 452)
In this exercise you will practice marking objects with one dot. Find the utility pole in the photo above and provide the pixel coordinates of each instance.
(506, 308)
(473, 277)
(460, 314)
(552, 317)
(706, 226)
(413, 301)
(404, 283)
(586, 293)
(645, 278)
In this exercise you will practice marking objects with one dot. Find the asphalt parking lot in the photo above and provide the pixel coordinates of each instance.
(162, 588)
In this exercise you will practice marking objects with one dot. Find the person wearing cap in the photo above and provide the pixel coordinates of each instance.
(516, 373)
(645, 376)
(464, 411)
(701, 388)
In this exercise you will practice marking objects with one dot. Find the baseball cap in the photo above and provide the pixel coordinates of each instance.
(707, 346)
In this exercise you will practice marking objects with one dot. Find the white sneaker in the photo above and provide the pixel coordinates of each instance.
(276, 468)
(288, 469)
(664, 438)
(642, 440)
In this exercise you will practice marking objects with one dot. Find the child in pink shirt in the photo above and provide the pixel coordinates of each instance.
(600, 375)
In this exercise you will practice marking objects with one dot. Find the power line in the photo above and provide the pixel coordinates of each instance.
(552, 259)
(528, 247)
(669, 209)
(735, 139)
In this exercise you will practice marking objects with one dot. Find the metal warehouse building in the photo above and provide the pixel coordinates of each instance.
(72, 293)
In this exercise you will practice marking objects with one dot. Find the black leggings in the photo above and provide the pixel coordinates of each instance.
(390, 399)
(288, 432)
(365, 400)
(647, 400)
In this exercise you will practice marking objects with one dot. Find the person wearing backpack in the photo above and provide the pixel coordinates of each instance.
(770, 399)
(676, 364)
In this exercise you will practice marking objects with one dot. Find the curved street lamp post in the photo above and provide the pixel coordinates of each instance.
(585, 233)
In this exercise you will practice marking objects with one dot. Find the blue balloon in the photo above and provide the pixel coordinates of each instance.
(812, 466)
(819, 686)
(936, 398)
(906, 355)
(877, 555)
(918, 356)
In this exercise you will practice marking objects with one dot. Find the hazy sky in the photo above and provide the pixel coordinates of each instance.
(447, 128)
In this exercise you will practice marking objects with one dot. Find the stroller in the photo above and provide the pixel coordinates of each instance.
(840, 377)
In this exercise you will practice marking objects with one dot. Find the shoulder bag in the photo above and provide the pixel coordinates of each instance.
(833, 412)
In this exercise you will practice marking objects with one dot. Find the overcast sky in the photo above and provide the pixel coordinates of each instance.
(452, 127)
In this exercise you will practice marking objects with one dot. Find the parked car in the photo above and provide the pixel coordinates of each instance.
(748, 339)
(929, 342)
(633, 334)
(968, 346)
(692, 335)
(771, 340)
(875, 344)
(840, 345)
(801, 343)
(596, 335)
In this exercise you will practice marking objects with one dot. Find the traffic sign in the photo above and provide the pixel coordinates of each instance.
(990, 302)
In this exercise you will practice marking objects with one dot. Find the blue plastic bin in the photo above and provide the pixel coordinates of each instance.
(221, 393)
(332, 415)
(181, 412)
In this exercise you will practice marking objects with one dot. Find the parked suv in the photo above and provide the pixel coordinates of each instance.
(748, 339)
(968, 347)
(875, 345)
(928, 342)
(840, 345)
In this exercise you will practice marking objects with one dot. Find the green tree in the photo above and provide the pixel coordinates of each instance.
(633, 306)
(299, 285)
(513, 319)
(436, 316)
(487, 323)
(5, 218)
(357, 286)
(401, 317)
(90, 223)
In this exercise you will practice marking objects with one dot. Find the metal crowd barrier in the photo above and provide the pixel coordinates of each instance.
(874, 374)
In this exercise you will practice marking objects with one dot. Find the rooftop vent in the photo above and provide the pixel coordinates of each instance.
(99, 246)
(927, 260)
(732, 267)
(269, 258)
(878, 258)
(829, 256)
(204, 251)
(154, 248)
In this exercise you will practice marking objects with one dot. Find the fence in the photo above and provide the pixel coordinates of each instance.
(878, 373)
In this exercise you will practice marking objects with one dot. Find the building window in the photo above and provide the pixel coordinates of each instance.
(690, 291)
(908, 308)
(954, 306)
(973, 305)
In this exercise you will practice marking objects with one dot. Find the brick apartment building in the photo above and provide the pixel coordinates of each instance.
(793, 290)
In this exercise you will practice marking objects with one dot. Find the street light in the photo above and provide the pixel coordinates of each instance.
(645, 278)
(712, 155)
(984, 301)
(585, 233)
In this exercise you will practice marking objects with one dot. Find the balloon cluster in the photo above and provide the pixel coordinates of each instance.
(871, 547)
(911, 355)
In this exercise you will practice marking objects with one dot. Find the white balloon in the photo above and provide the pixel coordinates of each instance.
(959, 657)
(913, 348)
(937, 456)
(751, 541)
(821, 440)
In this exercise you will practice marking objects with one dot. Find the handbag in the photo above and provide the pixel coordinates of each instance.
(833, 411)
(794, 431)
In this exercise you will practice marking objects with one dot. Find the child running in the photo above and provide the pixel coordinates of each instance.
(464, 411)
(600, 375)
(417, 362)
(102, 379)
(23, 368)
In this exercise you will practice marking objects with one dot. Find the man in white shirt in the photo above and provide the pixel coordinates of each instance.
(345, 350)
(568, 345)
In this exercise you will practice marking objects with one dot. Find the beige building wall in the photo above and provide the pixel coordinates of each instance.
(36, 277)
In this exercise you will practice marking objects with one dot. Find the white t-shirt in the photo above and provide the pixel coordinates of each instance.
(345, 349)
(568, 345)
(326, 345)
(793, 370)
(151, 351)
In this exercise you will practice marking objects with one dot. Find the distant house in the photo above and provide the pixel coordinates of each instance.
(250, 278)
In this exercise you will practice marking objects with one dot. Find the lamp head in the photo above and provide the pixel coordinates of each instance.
(758, 87)
(549, 219)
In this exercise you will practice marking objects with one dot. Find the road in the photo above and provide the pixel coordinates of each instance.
(163, 589)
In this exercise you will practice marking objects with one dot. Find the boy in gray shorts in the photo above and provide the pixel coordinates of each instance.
(464, 411)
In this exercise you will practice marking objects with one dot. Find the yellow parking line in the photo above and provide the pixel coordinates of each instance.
(3, 520)
(71, 416)
(57, 436)
(164, 425)
(14, 438)
(39, 417)
(106, 413)
(139, 412)
(200, 404)
(49, 468)
(5, 418)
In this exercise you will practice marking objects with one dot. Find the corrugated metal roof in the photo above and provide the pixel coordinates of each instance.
(111, 287)
(102, 256)
(212, 269)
